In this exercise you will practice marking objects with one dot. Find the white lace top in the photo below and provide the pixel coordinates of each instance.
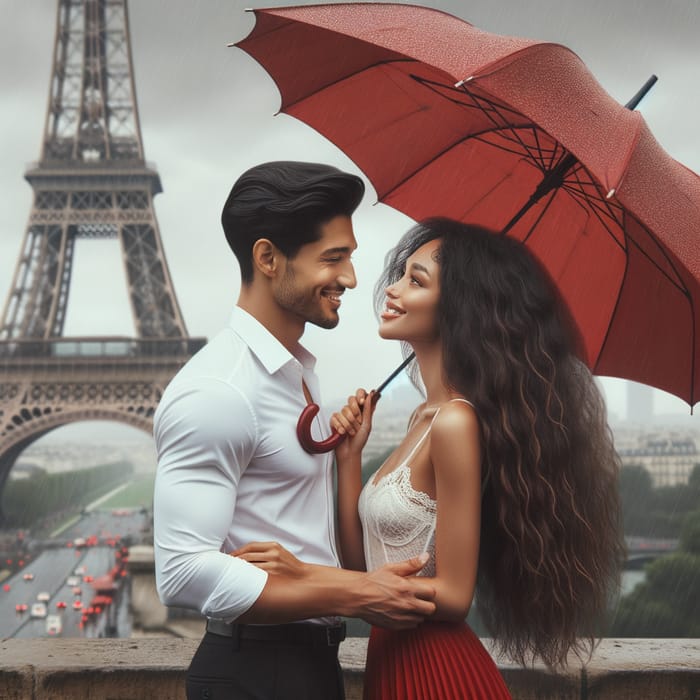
(398, 522)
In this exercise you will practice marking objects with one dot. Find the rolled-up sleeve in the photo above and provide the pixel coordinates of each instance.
(205, 434)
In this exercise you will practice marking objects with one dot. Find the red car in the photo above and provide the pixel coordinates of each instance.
(21, 607)
(77, 605)
(60, 604)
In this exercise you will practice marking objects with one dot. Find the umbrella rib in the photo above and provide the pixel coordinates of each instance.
(535, 134)
(595, 198)
(501, 125)
(505, 149)
(594, 207)
(462, 90)
(680, 285)
(441, 153)
(536, 155)
(557, 153)
(505, 126)
(478, 136)
(607, 204)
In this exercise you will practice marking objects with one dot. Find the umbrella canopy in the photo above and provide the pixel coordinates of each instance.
(518, 136)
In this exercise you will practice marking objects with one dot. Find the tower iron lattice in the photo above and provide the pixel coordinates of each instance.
(91, 181)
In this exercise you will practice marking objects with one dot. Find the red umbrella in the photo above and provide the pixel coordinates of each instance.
(518, 136)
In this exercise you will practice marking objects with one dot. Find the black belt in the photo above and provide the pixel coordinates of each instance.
(296, 633)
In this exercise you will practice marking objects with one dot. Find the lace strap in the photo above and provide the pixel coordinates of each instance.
(464, 400)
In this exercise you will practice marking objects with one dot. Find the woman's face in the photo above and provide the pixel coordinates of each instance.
(410, 308)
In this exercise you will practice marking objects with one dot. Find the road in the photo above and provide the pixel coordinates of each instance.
(57, 562)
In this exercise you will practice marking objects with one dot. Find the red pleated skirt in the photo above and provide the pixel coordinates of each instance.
(434, 661)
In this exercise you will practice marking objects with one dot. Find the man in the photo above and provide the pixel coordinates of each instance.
(231, 471)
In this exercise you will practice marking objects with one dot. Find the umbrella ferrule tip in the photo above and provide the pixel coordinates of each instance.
(610, 194)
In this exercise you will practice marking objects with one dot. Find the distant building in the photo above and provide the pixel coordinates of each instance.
(669, 459)
(640, 403)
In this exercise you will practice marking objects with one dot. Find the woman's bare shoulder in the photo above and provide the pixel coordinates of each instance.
(455, 444)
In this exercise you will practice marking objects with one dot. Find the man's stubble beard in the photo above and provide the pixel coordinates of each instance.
(305, 306)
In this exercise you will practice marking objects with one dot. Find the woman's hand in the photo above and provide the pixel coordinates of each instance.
(355, 421)
(273, 558)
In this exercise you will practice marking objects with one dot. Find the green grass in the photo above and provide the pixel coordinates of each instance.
(138, 493)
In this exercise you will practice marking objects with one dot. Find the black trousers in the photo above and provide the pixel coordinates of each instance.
(225, 668)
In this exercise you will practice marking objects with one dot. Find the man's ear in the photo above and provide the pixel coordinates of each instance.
(266, 257)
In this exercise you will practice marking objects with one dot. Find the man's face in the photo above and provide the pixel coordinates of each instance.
(312, 283)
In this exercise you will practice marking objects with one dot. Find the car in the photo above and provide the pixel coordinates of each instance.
(38, 610)
(60, 604)
(43, 597)
(21, 607)
(88, 579)
(79, 570)
(77, 590)
(73, 581)
(28, 577)
(77, 605)
(54, 625)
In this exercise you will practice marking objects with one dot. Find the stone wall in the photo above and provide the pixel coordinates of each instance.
(154, 668)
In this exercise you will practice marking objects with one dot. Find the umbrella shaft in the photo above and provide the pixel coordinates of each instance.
(391, 377)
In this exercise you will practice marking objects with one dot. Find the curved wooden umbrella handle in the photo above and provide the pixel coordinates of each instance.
(330, 443)
(304, 433)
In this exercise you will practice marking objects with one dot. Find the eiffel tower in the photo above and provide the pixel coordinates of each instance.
(92, 181)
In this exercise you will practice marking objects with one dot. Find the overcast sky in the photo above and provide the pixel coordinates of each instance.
(207, 114)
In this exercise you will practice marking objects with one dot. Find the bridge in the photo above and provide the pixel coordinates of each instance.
(642, 550)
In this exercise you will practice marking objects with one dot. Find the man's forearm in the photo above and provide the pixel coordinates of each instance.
(387, 597)
(321, 592)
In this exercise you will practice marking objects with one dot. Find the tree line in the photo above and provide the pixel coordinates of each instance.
(28, 502)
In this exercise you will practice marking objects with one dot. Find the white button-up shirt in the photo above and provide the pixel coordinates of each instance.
(231, 470)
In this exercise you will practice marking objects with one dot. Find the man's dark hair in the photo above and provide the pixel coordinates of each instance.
(286, 202)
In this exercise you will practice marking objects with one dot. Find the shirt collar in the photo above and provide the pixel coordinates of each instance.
(264, 345)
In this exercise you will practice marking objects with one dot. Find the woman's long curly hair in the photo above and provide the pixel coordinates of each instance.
(551, 538)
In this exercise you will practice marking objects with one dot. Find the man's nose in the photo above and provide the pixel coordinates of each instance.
(347, 278)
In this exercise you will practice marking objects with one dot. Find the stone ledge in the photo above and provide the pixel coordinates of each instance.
(154, 667)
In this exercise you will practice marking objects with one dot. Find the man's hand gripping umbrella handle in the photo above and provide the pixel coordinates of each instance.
(330, 443)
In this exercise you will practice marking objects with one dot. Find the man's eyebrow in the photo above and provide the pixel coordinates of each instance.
(344, 250)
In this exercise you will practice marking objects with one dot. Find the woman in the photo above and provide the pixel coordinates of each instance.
(506, 478)
(507, 470)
